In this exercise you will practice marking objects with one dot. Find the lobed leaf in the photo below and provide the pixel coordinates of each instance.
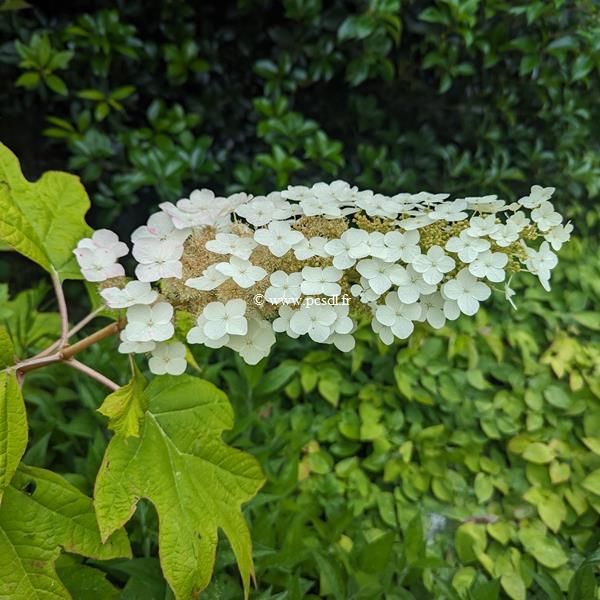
(42, 513)
(42, 220)
(196, 482)
(13, 428)
(125, 408)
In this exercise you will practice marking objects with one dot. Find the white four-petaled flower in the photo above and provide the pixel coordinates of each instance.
(135, 292)
(316, 320)
(433, 265)
(466, 291)
(489, 265)
(243, 272)
(467, 247)
(279, 237)
(149, 323)
(397, 316)
(225, 319)
(284, 288)
(321, 280)
(230, 243)
(157, 261)
(168, 357)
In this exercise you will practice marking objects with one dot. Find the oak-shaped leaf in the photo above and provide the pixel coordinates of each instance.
(13, 427)
(44, 219)
(126, 406)
(40, 514)
(196, 482)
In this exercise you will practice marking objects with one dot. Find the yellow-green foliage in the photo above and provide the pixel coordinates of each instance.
(468, 455)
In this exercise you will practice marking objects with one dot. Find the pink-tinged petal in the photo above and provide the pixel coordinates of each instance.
(104, 238)
(147, 273)
(93, 275)
(120, 250)
(115, 270)
(86, 243)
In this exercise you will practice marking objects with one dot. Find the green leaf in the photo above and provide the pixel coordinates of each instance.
(538, 453)
(28, 80)
(196, 482)
(275, 379)
(375, 556)
(84, 582)
(414, 540)
(56, 84)
(592, 482)
(470, 539)
(43, 220)
(91, 94)
(583, 583)
(40, 514)
(589, 319)
(7, 350)
(13, 428)
(546, 550)
(556, 396)
(125, 408)
(548, 585)
(513, 585)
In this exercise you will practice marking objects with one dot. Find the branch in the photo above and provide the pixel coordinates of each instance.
(105, 332)
(92, 373)
(62, 307)
(69, 351)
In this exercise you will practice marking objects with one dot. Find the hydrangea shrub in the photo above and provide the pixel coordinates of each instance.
(316, 261)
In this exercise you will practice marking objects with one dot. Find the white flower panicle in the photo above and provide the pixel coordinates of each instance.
(315, 261)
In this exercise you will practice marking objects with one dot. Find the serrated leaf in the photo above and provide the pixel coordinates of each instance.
(7, 350)
(42, 220)
(196, 482)
(13, 428)
(42, 513)
(125, 408)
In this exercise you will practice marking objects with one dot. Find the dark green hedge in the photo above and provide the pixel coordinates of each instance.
(147, 100)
